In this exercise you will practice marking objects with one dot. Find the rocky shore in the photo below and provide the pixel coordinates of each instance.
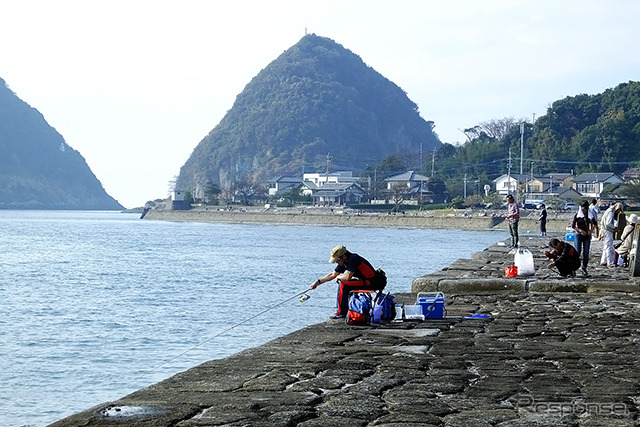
(550, 352)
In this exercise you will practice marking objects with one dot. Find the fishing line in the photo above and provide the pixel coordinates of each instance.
(303, 294)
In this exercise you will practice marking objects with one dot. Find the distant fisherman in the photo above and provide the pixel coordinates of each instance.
(352, 273)
(513, 216)
(543, 220)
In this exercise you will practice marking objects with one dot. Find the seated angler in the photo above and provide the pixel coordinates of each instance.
(352, 273)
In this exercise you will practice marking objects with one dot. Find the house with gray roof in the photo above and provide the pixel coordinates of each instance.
(338, 194)
(412, 185)
(631, 174)
(284, 184)
(591, 184)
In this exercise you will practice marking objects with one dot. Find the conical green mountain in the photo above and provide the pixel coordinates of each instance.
(38, 170)
(314, 100)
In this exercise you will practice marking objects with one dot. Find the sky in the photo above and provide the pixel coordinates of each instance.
(135, 85)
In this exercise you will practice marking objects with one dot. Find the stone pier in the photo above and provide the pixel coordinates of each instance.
(551, 352)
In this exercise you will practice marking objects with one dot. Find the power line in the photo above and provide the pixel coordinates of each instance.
(248, 319)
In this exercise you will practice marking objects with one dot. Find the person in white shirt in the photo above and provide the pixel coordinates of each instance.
(593, 215)
(609, 225)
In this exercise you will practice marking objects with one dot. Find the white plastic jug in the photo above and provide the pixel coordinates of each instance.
(523, 259)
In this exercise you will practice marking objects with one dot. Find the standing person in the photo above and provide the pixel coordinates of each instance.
(513, 216)
(621, 224)
(583, 227)
(593, 216)
(352, 273)
(621, 221)
(567, 260)
(543, 220)
(609, 226)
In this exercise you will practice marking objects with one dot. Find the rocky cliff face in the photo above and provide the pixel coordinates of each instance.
(38, 170)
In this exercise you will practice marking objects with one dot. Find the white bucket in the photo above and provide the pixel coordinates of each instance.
(523, 259)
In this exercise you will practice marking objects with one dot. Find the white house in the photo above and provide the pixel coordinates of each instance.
(177, 196)
(178, 202)
(320, 179)
(506, 184)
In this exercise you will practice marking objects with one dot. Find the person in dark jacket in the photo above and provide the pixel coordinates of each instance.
(582, 224)
(543, 220)
(567, 260)
(352, 273)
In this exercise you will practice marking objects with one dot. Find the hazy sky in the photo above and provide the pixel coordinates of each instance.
(135, 85)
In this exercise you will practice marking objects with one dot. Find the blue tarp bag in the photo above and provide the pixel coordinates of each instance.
(360, 306)
(384, 308)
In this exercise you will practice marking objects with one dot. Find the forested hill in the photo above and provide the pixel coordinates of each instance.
(582, 133)
(38, 170)
(316, 98)
(599, 132)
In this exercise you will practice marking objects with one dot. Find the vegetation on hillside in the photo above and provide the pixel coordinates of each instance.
(317, 102)
(583, 133)
(38, 170)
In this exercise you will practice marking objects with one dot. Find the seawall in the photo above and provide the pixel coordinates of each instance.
(462, 221)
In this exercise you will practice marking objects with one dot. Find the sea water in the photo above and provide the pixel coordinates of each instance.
(96, 305)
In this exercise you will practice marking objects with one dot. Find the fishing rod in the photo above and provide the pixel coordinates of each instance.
(303, 297)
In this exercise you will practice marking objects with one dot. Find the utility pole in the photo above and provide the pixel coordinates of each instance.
(465, 186)
(532, 170)
(375, 182)
(433, 162)
(521, 147)
(509, 174)
(528, 187)
(329, 158)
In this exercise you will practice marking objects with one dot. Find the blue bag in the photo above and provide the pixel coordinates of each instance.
(360, 306)
(384, 308)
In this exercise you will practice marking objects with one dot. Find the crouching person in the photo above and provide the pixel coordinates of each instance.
(352, 273)
(567, 260)
(624, 247)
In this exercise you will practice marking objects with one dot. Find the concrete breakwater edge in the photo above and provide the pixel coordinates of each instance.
(463, 220)
(552, 352)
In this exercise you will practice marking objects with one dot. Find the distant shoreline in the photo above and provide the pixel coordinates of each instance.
(473, 220)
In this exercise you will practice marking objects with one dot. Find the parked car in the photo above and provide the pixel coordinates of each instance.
(570, 206)
(533, 204)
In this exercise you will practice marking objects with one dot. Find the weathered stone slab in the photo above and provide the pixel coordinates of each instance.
(492, 285)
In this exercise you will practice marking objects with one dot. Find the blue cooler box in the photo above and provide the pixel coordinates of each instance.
(432, 304)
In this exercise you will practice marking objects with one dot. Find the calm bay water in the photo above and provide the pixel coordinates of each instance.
(95, 305)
